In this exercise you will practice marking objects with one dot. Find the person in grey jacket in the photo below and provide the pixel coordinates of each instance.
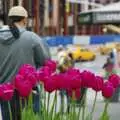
(18, 46)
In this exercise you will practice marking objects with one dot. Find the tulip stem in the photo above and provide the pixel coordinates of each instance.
(45, 100)
(20, 102)
(52, 108)
(45, 105)
(93, 108)
(74, 113)
(105, 114)
(48, 104)
(106, 106)
(9, 106)
(84, 105)
(56, 103)
(79, 112)
(82, 102)
(30, 102)
(62, 107)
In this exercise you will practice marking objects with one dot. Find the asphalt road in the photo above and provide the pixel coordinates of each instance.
(94, 66)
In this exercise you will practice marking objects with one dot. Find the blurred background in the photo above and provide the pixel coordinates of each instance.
(88, 29)
(59, 17)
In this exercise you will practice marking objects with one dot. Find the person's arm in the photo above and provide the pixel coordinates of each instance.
(40, 51)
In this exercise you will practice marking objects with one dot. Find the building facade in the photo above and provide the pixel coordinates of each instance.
(54, 17)
(96, 29)
(61, 18)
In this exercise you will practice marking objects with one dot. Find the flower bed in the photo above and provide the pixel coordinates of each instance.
(72, 81)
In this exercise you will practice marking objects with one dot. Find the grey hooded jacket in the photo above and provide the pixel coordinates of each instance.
(28, 49)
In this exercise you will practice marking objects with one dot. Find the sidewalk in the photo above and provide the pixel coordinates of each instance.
(113, 109)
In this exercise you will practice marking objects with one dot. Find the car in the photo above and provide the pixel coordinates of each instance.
(81, 54)
(105, 50)
(87, 55)
(108, 47)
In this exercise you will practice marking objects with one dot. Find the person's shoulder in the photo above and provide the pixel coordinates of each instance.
(4, 28)
(33, 36)
(30, 33)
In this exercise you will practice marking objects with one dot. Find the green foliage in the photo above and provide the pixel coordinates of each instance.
(105, 116)
(89, 117)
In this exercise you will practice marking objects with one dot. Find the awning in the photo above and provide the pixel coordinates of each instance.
(106, 14)
(85, 2)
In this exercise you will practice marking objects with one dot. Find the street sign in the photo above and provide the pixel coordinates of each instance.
(84, 18)
(106, 17)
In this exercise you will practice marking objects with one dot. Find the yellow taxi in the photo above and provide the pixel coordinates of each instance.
(81, 54)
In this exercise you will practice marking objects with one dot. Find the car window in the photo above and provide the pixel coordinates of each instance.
(72, 49)
(83, 50)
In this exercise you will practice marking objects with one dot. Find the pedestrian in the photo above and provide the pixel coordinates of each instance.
(110, 68)
(19, 46)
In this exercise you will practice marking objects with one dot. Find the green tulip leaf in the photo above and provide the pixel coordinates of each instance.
(89, 117)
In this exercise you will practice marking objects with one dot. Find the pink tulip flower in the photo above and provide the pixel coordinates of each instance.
(115, 80)
(108, 90)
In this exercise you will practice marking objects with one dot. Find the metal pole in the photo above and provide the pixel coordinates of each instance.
(5, 18)
(36, 19)
(75, 17)
(66, 10)
(50, 17)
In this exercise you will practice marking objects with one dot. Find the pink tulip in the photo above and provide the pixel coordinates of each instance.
(75, 94)
(98, 83)
(18, 80)
(67, 81)
(1, 91)
(32, 78)
(74, 78)
(41, 76)
(75, 82)
(46, 70)
(62, 81)
(42, 73)
(108, 90)
(51, 64)
(50, 85)
(6, 91)
(25, 88)
(88, 79)
(115, 80)
(73, 71)
(59, 81)
(25, 69)
(78, 93)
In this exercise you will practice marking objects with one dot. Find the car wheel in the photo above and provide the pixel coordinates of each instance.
(93, 58)
(79, 59)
